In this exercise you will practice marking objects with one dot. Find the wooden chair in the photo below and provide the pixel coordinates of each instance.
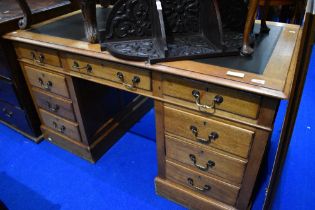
(266, 4)
(26, 21)
(299, 6)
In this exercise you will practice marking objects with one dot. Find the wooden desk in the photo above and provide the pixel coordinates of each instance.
(213, 116)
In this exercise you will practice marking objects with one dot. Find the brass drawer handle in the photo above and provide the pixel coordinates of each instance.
(136, 80)
(217, 100)
(52, 108)
(76, 66)
(212, 136)
(202, 189)
(62, 128)
(46, 86)
(40, 60)
(210, 163)
(7, 113)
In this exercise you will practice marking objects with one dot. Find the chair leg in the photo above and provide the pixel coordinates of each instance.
(285, 13)
(26, 21)
(105, 3)
(88, 8)
(251, 16)
(264, 15)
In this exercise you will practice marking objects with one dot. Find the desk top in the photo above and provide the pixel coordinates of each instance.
(268, 72)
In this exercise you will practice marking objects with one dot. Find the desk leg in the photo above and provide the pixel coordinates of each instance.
(160, 137)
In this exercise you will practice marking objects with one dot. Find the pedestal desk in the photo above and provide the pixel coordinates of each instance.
(213, 116)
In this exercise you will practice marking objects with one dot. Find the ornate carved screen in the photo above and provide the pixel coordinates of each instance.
(164, 30)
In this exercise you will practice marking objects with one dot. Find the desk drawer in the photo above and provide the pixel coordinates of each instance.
(67, 143)
(208, 132)
(60, 125)
(129, 77)
(52, 103)
(202, 184)
(233, 101)
(40, 56)
(204, 160)
(15, 117)
(7, 93)
(47, 81)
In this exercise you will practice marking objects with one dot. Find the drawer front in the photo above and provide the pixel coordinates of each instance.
(205, 161)
(7, 93)
(129, 77)
(60, 125)
(211, 97)
(40, 56)
(209, 132)
(15, 117)
(57, 105)
(66, 143)
(202, 184)
(47, 81)
(53, 137)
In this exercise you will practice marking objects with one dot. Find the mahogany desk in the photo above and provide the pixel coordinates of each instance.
(213, 116)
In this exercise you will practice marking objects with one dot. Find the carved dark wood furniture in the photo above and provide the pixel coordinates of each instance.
(170, 18)
(214, 116)
(163, 30)
(16, 107)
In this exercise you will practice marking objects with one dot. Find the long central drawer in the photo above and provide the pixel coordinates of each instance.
(130, 77)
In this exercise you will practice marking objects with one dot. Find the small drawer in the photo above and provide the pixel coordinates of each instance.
(15, 117)
(202, 184)
(208, 97)
(60, 125)
(7, 93)
(129, 77)
(66, 143)
(205, 161)
(47, 81)
(54, 137)
(208, 132)
(52, 103)
(40, 56)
